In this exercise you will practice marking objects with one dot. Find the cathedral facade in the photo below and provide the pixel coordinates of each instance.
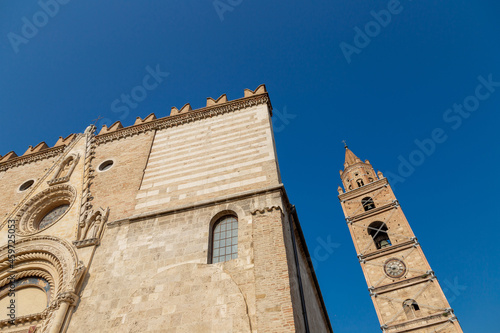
(176, 224)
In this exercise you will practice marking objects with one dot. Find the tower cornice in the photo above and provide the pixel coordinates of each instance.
(387, 250)
(402, 284)
(364, 189)
(374, 211)
(433, 320)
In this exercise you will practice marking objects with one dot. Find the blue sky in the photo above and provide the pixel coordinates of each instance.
(395, 85)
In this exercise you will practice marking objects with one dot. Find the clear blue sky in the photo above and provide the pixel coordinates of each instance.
(397, 88)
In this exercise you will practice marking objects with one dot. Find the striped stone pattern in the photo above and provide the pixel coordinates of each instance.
(209, 158)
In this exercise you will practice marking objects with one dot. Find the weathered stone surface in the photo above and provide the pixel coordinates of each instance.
(134, 245)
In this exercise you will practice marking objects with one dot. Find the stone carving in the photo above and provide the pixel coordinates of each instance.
(90, 228)
(65, 170)
(77, 275)
(91, 222)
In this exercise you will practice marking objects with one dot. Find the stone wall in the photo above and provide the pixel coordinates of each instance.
(147, 269)
(153, 273)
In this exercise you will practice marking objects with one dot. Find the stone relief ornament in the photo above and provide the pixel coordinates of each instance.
(65, 170)
(90, 227)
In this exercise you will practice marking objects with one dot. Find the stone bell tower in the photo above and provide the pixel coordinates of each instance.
(403, 287)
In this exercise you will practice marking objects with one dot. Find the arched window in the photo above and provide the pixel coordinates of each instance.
(378, 232)
(411, 308)
(224, 245)
(360, 182)
(367, 203)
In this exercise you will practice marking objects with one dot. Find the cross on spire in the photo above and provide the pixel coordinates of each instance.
(96, 120)
(345, 143)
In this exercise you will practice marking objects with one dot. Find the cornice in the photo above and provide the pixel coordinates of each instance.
(86, 242)
(345, 172)
(41, 155)
(402, 284)
(187, 117)
(206, 203)
(266, 209)
(374, 211)
(364, 189)
(388, 250)
(429, 321)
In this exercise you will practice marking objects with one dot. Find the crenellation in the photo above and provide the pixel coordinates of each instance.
(259, 90)
(221, 100)
(186, 108)
(8, 156)
(114, 127)
(42, 145)
(175, 224)
(147, 119)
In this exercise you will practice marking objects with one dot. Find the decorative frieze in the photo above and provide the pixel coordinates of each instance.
(186, 117)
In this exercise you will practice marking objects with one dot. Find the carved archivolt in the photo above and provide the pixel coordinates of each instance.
(30, 215)
(47, 257)
(65, 169)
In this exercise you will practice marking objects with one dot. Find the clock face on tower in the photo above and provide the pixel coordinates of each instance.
(394, 268)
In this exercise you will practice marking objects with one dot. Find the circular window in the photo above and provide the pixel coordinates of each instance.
(26, 185)
(44, 209)
(106, 165)
(52, 216)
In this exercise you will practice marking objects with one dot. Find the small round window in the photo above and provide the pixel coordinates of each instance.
(52, 216)
(106, 165)
(26, 185)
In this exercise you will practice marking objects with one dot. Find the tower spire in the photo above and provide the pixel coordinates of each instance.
(350, 158)
(356, 173)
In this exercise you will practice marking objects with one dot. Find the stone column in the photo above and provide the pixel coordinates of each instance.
(65, 300)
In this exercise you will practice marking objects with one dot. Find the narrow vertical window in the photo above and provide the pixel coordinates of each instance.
(360, 182)
(225, 239)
